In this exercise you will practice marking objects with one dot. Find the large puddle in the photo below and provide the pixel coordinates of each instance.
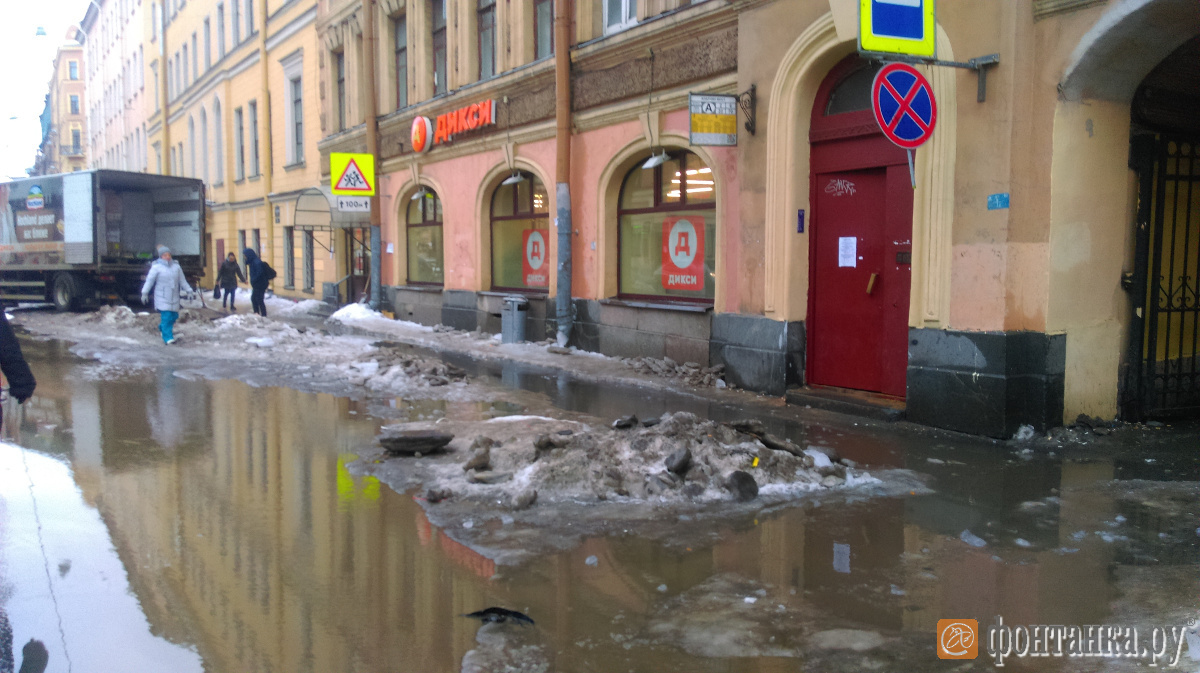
(156, 522)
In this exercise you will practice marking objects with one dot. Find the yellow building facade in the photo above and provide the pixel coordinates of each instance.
(236, 106)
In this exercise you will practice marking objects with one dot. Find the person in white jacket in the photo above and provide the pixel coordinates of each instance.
(169, 286)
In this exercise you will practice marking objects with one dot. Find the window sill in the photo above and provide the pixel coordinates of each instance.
(218, 184)
(531, 294)
(309, 290)
(432, 289)
(239, 181)
(684, 307)
(255, 178)
(294, 166)
(289, 287)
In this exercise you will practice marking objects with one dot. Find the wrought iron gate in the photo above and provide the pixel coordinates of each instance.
(1164, 361)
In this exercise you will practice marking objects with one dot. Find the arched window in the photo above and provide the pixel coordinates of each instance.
(666, 235)
(218, 142)
(853, 92)
(520, 218)
(426, 264)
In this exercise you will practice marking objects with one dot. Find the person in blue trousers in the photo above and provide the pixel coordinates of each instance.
(169, 286)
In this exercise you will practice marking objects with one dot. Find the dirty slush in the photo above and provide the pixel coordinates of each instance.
(515, 491)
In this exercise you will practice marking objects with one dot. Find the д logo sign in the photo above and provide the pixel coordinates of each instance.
(534, 261)
(683, 253)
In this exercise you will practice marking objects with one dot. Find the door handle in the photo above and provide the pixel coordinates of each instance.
(871, 283)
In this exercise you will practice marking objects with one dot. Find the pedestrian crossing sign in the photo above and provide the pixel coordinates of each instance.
(352, 174)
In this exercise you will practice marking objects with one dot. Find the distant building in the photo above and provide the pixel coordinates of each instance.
(112, 33)
(64, 124)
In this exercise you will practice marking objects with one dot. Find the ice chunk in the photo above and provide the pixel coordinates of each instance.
(592, 561)
(819, 457)
(750, 600)
(972, 539)
(1024, 433)
(261, 342)
(1022, 542)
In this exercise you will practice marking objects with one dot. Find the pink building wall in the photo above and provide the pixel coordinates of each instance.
(459, 181)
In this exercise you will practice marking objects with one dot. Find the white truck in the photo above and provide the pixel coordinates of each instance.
(86, 238)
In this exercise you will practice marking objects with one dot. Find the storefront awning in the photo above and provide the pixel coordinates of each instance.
(316, 210)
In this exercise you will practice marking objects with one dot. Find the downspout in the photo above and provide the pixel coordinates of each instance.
(564, 314)
(164, 97)
(371, 115)
(264, 124)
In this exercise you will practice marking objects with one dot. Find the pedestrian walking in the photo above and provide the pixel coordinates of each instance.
(20, 380)
(261, 274)
(169, 286)
(227, 279)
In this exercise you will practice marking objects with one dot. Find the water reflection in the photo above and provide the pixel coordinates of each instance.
(245, 538)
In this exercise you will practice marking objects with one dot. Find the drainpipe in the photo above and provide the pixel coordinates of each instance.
(372, 118)
(562, 188)
(264, 124)
(164, 98)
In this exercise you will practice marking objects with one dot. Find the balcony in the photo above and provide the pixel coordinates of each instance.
(72, 150)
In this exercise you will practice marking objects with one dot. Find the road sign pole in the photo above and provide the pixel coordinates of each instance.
(912, 173)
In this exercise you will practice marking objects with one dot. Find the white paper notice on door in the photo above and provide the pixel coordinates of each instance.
(848, 251)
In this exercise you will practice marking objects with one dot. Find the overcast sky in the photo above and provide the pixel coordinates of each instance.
(27, 63)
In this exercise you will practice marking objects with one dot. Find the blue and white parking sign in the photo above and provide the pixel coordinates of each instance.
(897, 27)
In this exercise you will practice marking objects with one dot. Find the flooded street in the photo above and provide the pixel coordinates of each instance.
(161, 522)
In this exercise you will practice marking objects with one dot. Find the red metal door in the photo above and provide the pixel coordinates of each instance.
(861, 279)
(860, 241)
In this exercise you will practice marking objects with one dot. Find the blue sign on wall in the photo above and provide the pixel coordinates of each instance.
(998, 201)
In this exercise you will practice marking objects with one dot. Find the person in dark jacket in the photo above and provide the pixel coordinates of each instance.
(260, 276)
(20, 380)
(227, 279)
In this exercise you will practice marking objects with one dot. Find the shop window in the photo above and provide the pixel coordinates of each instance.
(289, 257)
(308, 260)
(666, 234)
(424, 236)
(520, 220)
(543, 28)
(486, 15)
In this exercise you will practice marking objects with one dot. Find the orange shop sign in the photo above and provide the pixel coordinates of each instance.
(426, 133)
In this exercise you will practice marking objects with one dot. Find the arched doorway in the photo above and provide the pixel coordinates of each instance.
(860, 255)
(1164, 354)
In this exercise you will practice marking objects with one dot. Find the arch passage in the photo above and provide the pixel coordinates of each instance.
(861, 252)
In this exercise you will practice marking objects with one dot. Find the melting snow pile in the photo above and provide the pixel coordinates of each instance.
(361, 315)
(677, 458)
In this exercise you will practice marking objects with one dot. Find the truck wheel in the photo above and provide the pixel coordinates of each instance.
(66, 293)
